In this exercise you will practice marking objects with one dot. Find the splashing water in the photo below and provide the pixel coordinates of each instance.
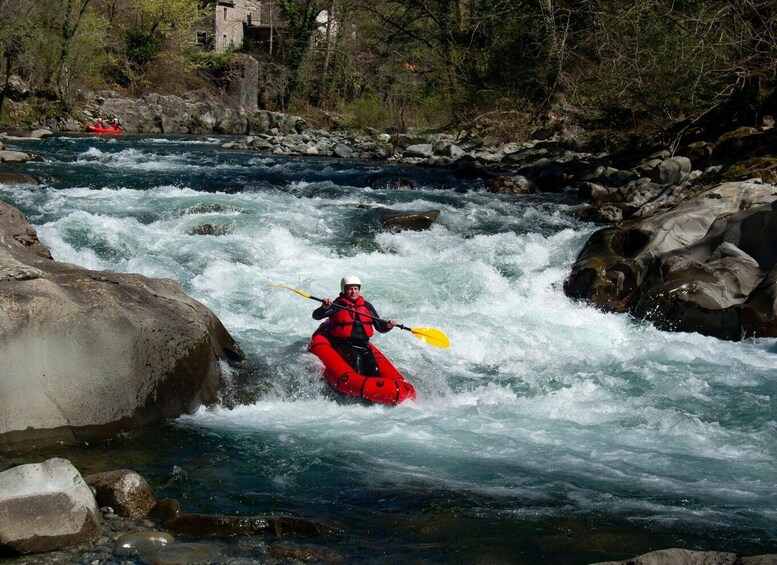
(548, 432)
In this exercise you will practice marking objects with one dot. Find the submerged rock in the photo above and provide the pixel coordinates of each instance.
(206, 525)
(410, 220)
(134, 543)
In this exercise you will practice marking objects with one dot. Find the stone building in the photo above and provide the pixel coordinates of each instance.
(259, 21)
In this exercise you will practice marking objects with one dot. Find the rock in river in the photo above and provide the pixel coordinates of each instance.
(86, 354)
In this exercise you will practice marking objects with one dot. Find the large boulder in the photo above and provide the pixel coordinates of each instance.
(195, 113)
(86, 353)
(708, 265)
(45, 506)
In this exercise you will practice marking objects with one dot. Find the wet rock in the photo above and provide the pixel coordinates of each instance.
(16, 178)
(135, 543)
(123, 490)
(204, 525)
(208, 229)
(411, 221)
(506, 184)
(380, 181)
(45, 506)
(165, 510)
(708, 265)
(305, 553)
(183, 554)
(606, 214)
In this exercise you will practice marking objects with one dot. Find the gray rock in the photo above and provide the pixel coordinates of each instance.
(14, 157)
(41, 133)
(86, 353)
(688, 557)
(418, 151)
(708, 265)
(46, 506)
(342, 150)
(673, 170)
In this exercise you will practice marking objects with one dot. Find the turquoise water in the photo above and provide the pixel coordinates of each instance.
(549, 432)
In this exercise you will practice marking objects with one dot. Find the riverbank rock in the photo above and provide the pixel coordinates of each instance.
(708, 265)
(688, 557)
(45, 506)
(86, 354)
(14, 157)
(125, 491)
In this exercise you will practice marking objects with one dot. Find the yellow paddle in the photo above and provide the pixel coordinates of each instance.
(432, 336)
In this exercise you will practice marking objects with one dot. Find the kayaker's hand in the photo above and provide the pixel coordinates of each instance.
(326, 303)
(391, 324)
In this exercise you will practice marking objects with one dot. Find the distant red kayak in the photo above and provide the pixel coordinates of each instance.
(388, 388)
(98, 129)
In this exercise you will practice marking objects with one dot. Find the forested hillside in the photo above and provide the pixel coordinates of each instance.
(512, 64)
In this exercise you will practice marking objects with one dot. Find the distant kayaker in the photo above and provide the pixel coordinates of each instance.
(349, 332)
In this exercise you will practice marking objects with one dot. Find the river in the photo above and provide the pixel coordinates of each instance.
(549, 432)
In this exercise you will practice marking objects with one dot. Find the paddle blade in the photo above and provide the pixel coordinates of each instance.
(300, 292)
(432, 336)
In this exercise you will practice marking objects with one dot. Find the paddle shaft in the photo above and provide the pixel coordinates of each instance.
(335, 305)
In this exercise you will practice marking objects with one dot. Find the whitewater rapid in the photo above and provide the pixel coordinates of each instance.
(542, 407)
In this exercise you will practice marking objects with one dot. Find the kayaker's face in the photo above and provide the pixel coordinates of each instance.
(351, 291)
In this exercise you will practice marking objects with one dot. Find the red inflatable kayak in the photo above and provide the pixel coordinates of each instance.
(388, 388)
(97, 129)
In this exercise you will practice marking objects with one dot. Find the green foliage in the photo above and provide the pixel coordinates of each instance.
(368, 111)
(403, 63)
(142, 46)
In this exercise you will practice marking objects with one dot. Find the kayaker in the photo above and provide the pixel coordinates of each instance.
(349, 332)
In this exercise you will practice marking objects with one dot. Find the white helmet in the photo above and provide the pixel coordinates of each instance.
(348, 280)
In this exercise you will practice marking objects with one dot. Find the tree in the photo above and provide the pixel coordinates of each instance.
(302, 16)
